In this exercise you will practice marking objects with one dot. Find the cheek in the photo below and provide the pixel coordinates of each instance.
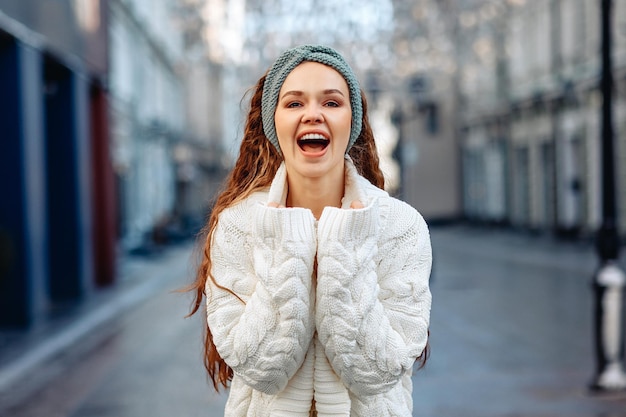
(279, 126)
(346, 125)
(284, 136)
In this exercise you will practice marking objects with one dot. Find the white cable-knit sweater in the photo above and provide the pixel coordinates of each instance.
(350, 342)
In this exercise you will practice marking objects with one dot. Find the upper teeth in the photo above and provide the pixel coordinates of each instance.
(310, 136)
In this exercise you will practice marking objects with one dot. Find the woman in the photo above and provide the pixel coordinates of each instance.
(316, 280)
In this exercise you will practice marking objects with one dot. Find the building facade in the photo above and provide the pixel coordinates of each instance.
(531, 136)
(167, 107)
(425, 90)
(147, 114)
(107, 144)
(56, 219)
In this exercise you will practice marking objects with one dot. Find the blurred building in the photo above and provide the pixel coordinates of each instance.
(110, 141)
(531, 108)
(56, 217)
(168, 66)
(428, 147)
(426, 112)
(147, 114)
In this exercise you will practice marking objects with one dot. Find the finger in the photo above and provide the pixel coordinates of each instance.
(356, 204)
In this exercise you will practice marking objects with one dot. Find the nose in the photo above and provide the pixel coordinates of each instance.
(313, 114)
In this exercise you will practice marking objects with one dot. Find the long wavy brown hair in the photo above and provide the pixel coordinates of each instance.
(255, 169)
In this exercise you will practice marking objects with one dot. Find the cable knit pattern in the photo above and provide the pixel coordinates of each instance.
(265, 339)
(371, 308)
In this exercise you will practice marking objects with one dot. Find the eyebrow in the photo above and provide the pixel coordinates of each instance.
(300, 93)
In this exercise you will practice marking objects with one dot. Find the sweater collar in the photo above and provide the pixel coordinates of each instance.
(355, 186)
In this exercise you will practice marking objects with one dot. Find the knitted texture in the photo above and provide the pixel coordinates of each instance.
(349, 343)
(290, 59)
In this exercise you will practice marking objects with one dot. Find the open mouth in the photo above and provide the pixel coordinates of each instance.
(313, 142)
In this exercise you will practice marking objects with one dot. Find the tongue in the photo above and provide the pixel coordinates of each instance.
(312, 146)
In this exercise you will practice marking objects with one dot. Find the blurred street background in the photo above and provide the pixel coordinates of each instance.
(502, 121)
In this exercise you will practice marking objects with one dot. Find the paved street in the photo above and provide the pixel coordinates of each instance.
(510, 337)
(147, 362)
(511, 329)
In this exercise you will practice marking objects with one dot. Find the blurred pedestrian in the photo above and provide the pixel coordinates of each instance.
(316, 280)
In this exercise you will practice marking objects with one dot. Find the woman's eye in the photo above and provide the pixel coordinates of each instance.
(293, 104)
(332, 104)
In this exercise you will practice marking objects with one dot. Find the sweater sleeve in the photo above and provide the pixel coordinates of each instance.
(373, 299)
(264, 256)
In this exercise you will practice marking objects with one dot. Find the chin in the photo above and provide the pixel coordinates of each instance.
(320, 169)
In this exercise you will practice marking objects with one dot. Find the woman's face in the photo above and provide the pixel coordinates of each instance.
(313, 119)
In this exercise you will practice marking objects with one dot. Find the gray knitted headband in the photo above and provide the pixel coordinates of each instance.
(290, 59)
